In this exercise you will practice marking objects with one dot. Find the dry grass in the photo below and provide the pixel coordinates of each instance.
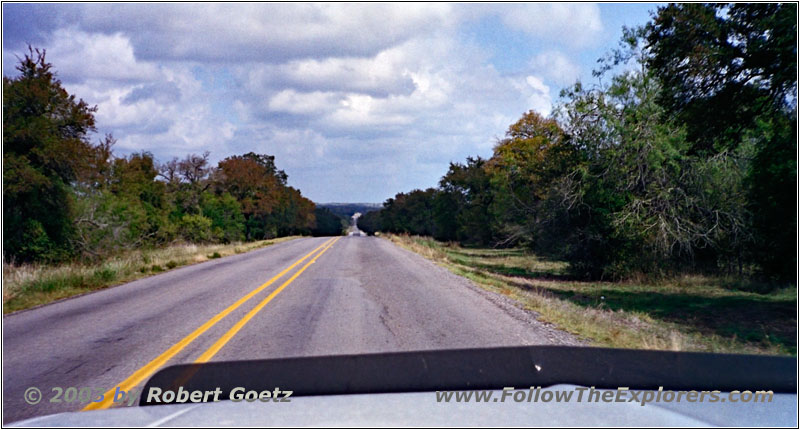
(29, 285)
(691, 313)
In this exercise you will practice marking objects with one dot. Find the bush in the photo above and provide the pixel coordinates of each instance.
(195, 228)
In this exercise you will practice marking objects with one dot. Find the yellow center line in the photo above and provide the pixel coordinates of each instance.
(148, 369)
(210, 352)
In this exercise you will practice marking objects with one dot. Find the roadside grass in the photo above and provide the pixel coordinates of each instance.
(688, 313)
(29, 285)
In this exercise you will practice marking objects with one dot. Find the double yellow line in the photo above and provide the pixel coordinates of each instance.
(148, 369)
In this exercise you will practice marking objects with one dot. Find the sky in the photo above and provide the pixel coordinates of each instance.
(356, 101)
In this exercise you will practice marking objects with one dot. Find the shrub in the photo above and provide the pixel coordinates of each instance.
(195, 228)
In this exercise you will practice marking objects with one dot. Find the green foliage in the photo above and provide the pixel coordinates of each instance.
(45, 148)
(195, 228)
(629, 207)
(121, 206)
(270, 208)
(773, 196)
(462, 206)
(227, 220)
(328, 223)
(722, 65)
(370, 222)
(457, 210)
(105, 274)
(729, 75)
(35, 244)
(525, 167)
(105, 222)
(410, 213)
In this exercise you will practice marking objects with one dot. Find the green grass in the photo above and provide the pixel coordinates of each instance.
(692, 313)
(26, 286)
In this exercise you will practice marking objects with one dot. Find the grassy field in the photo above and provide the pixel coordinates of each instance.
(26, 286)
(691, 313)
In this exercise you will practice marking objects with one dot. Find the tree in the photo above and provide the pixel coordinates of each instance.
(723, 65)
(45, 146)
(269, 206)
(772, 196)
(187, 180)
(729, 75)
(641, 201)
(225, 213)
(255, 188)
(462, 207)
(524, 169)
(370, 222)
(294, 214)
(327, 223)
(121, 206)
(410, 213)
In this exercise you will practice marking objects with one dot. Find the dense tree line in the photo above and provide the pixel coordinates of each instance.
(329, 223)
(683, 159)
(346, 210)
(65, 197)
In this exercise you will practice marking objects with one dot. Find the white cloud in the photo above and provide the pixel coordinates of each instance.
(356, 101)
(382, 74)
(574, 24)
(265, 32)
(188, 130)
(540, 98)
(163, 109)
(556, 67)
(313, 103)
(404, 136)
(80, 55)
(358, 110)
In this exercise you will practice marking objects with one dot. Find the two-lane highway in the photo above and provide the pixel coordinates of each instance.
(311, 296)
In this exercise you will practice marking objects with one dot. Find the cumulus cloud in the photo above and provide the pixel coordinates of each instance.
(161, 109)
(380, 75)
(540, 99)
(80, 55)
(291, 101)
(556, 67)
(263, 32)
(357, 101)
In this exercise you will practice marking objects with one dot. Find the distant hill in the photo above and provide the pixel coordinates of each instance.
(348, 209)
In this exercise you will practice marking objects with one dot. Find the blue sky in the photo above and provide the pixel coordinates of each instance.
(356, 101)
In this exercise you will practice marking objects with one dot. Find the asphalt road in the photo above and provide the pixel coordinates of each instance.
(360, 295)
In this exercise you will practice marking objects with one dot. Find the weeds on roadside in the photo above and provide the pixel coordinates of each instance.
(688, 313)
(30, 285)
